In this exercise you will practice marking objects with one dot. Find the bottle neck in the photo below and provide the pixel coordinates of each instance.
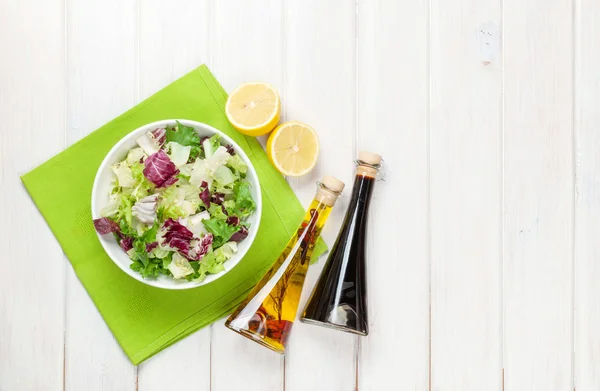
(361, 191)
(310, 229)
(366, 169)
(326, 196)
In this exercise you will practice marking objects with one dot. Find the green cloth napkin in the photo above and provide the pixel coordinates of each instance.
(145, 319)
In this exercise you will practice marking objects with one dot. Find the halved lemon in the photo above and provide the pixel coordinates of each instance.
(253, 108)
(293, 148)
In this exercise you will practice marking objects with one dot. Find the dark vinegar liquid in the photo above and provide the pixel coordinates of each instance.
(339, 300)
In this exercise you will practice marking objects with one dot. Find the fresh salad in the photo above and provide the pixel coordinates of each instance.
(179, 205)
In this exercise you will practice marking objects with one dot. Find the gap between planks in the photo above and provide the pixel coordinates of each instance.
(65, 140)
(429, 39)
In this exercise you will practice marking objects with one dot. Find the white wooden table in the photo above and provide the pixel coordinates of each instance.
(484, 237)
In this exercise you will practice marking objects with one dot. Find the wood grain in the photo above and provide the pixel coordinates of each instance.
(101, 85)
(483, 235)
(32, 109)
(247, 44)
(587, 207)
(173, 39)
(538, 195)
(466, 191)
(394, 106)
(320, 90)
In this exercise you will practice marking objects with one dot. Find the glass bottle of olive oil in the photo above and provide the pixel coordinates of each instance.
(266, 316)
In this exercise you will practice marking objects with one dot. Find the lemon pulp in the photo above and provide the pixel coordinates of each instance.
(253, 109)
(293, 148)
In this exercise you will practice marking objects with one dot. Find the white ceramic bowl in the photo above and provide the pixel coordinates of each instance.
(102, 185)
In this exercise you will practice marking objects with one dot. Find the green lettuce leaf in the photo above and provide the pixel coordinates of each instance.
(242, 204)
(154, 268)
(183, 135)
(238, 164)
(124, 212)
(143, 263)
(162, 253)
(217, 212)
(226, 251)
(126, 229)
(207, 265)
(140, 255)
(170, 204)
(150, 235)
(229, 206)
(220, 230)
(144, 187)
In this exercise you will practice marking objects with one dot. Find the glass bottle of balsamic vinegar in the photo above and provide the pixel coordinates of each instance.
(266, 316)
(339, 299)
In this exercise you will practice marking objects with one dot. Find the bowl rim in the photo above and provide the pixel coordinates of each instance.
(252, 231)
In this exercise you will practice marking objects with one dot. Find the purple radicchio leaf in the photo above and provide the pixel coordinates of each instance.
(240, 235)
(205, 194)
(171, 180)
(233, 220)
(159, 136)
(230, 150)
(104, 226)
(201, 248)
(217, 198)
(205, 197)
(160, 170)
(126, 243)
(178, 236)
(151, 246)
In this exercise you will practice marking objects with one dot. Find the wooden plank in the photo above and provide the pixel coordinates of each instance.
(320, 90)
(587, 210)
(32, 108)
(183, 366)
(393, 104)
(101, 85)
(466, 190)
(174, 39)
(538, 195)
(247, 44)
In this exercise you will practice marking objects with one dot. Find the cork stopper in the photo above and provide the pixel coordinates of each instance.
(329, 190)
(368, 164)
(369, 158)
(333, 183)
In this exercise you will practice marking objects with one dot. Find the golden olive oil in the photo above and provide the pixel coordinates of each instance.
(266, 316)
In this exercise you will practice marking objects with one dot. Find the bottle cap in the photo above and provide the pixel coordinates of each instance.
(329, 190)
(369, 158)
(368, 164)
(333, 183)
